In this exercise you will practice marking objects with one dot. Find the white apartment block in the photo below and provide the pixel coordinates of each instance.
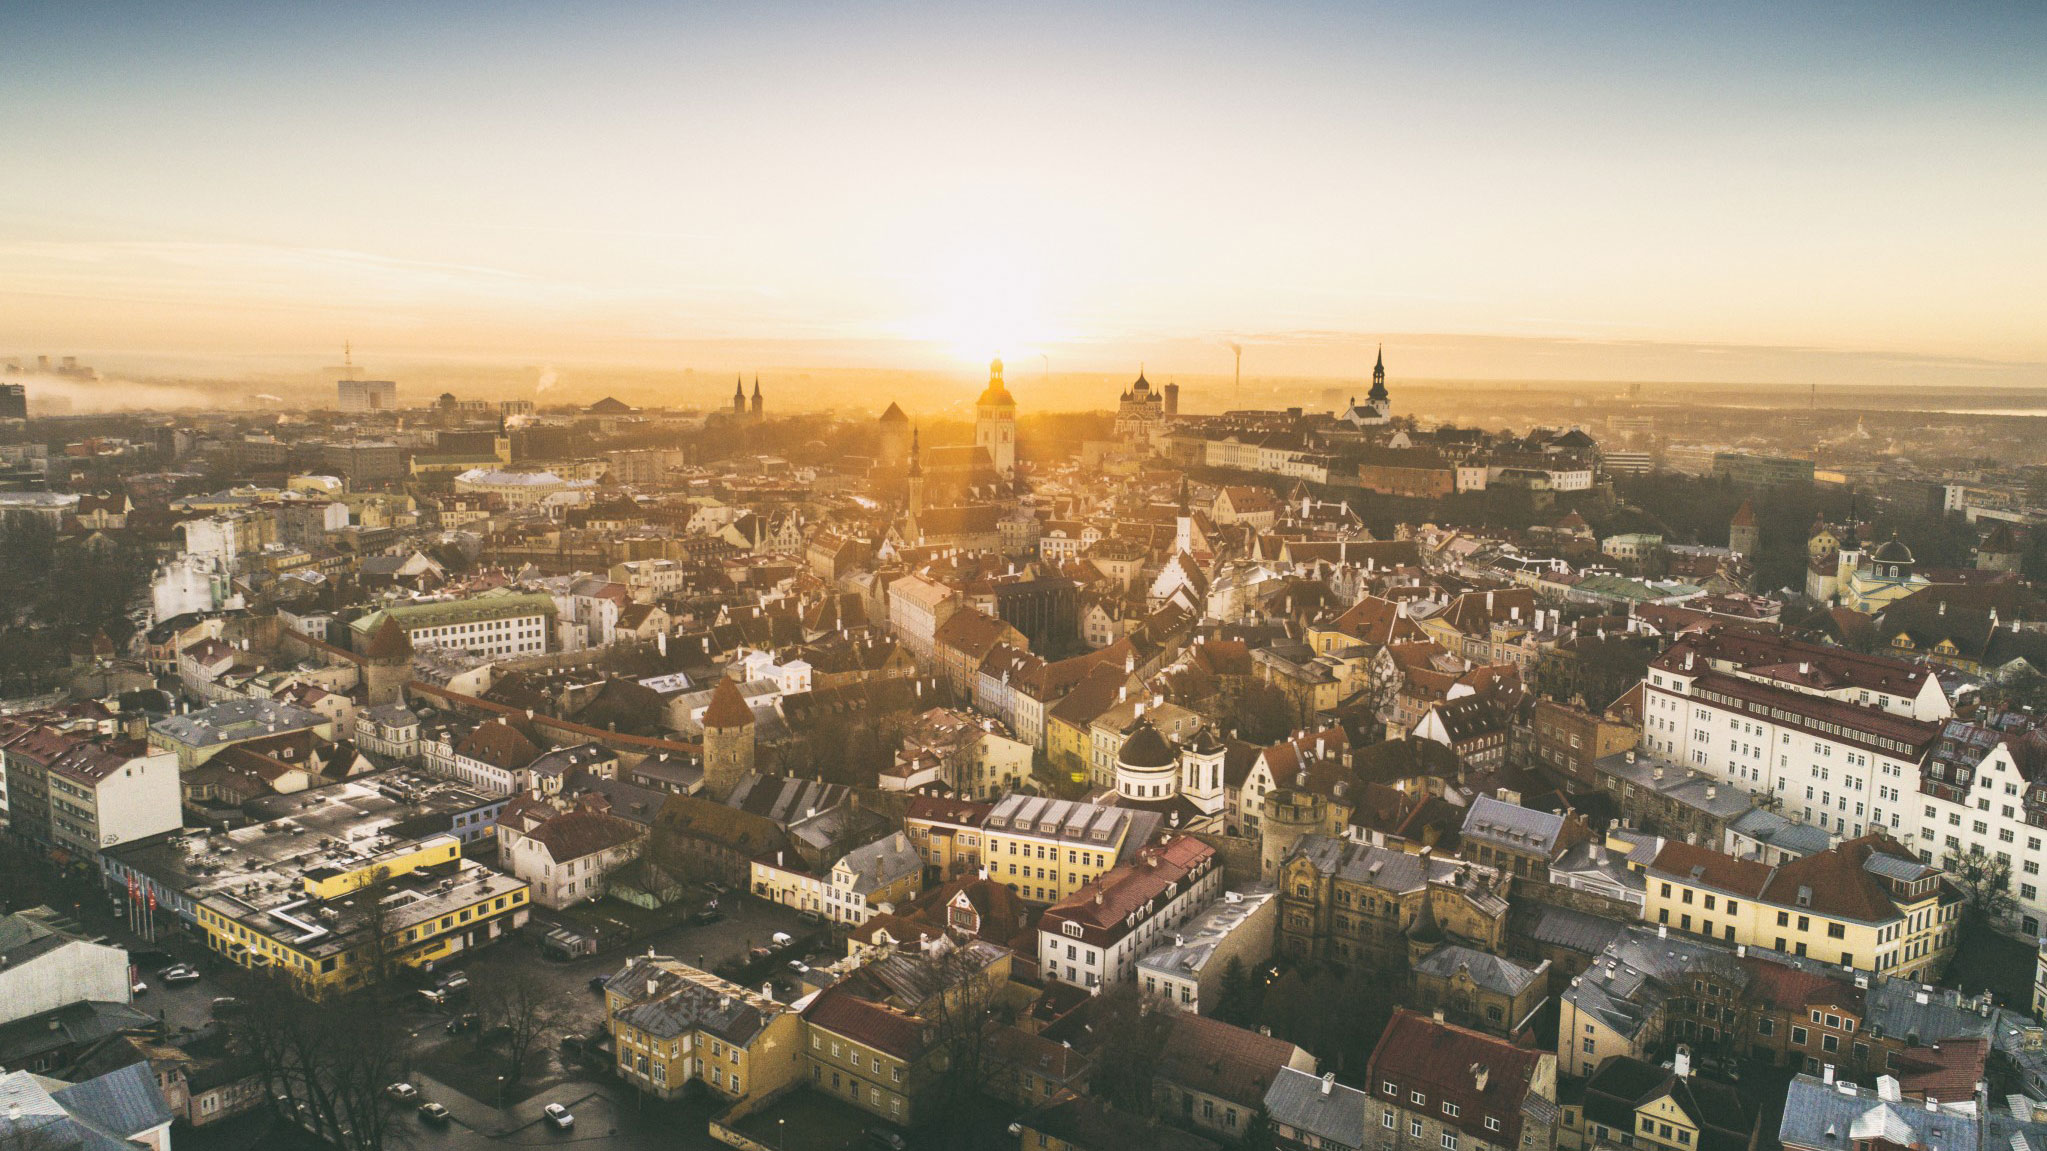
(1837, 737)
(1984, 790)
(1095, 936)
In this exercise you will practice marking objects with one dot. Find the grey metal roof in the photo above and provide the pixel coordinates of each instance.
(1580, 931)
(1333, 1113)
(1194, 943)
(1899, 1007)
(236, 719)
(1892, 867)
(1771, 829)
(1824, 1117)
(1487, 971)
(125, 1102)
(1512, 826)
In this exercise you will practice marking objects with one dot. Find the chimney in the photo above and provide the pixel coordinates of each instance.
(1663, 931)
(1328, 1082)
(1827, 1074)
(653, 986)
(1438, 1013)
(1887, 1089)
(1932, 1104)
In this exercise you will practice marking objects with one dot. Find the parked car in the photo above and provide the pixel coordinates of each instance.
(574, 1046)
(164, 971)
(759, 953)
(707, 915)
(559, 1116)
(402, 1092)
(781, 939)
(886, 1139)
(799, 967)
(226, 1005)
(178, 976)
(462, 1023)
(433, 1113)
(138, 988)
(452, 982)
(808, 915)
(597, 983)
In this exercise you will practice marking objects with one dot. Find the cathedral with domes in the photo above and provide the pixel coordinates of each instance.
(1182, 781)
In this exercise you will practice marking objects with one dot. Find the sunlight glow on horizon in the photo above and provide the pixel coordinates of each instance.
(975, 177)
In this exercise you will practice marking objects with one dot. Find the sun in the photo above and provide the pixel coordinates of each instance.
(982, 298)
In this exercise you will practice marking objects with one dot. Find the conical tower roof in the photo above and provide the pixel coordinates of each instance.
(389, 642)
(728, 708)
(894, 415)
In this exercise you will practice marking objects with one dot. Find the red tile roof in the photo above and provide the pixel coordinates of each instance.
(1485, 1077)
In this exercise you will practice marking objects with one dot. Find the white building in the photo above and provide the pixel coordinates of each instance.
(47, 969)
(563, 855)
(1188, 970)
(1095, 936)
(1838, 737)
(495, 623)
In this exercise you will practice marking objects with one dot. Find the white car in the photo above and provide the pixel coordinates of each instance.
(140, 988)
(559, 1116)
(403, 1092)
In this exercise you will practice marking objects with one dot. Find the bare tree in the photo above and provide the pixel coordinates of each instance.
(1985, 880)
(1134, 1029)
(516, 1009)
(324, 1065)
(958, 1021)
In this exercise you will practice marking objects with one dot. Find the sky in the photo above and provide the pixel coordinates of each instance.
(1087, 183)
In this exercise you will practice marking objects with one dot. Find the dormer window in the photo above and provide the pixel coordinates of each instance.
(1071, 927)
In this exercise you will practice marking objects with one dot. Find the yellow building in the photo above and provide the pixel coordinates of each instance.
(341, 923)
(1866, 903)
(1047, 849)
(877, 1038)
(870, 1054)
(872, 878)
(947, 833)
(673, 1024)
(1631, 1102)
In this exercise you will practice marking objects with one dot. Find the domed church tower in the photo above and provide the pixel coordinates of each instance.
(995, 423)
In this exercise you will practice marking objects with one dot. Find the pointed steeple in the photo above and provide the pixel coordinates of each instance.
(916, 462)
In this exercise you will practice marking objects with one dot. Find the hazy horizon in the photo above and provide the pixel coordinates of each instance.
(1746, 192)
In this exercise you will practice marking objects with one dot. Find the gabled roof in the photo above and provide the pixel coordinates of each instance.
(1214, 1058)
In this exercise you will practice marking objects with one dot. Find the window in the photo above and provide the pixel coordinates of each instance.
(1386, 1121)
(1451, 1109)
(1492, 1124)
(1416, 1098)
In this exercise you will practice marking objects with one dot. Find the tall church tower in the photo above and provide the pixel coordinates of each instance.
(1378, 396)
(756, 399)
(739, 396)
(995, 422)
(916, 479)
